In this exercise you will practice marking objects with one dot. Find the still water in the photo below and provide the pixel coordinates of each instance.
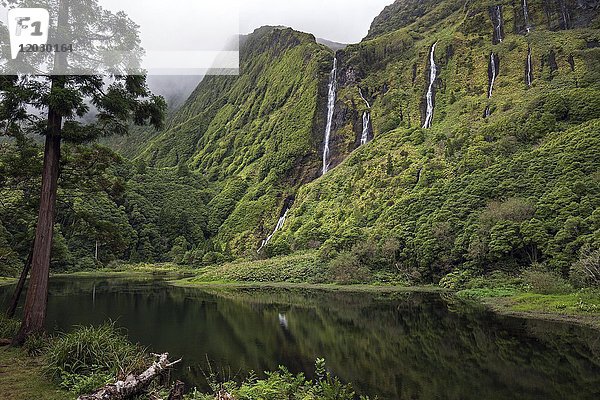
(390, 345)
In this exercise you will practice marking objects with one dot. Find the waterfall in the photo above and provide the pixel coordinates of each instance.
(363, 97)
(492, 76)
(366, 120)
(277, 227)
(432, 78)
(497, 12)
(365, 131)
(526, 16)
(529, 70)
(330, 109)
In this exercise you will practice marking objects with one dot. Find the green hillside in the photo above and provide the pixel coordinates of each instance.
(518, 187)
(506, 176)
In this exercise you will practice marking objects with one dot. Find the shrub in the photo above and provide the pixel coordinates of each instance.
(586, 271)
(90, 356)
(542, 281)
(36, 344)
(456, 280)
(282, 384)
(346, 269)
(8, 327)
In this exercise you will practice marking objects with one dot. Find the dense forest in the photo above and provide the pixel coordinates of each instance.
(506, 176)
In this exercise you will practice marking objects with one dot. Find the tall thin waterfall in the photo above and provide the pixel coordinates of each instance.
(497, 12)
(526, 15)
(366, 120)
(529, 69)
(492, 77)
(363, 97)
(432, 78)
(277, 227)
(331, 97)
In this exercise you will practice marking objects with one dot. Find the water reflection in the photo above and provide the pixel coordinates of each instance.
(396, 346)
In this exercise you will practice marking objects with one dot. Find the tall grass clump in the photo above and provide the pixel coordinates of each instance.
(8, 327)
(89, 357)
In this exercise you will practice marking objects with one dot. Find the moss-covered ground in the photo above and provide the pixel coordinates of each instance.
(21, 378)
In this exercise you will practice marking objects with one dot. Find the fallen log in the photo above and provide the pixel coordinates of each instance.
(132, 385)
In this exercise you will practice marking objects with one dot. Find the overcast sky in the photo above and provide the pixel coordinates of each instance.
(345, 21)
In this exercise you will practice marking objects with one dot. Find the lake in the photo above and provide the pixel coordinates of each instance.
(395, 345)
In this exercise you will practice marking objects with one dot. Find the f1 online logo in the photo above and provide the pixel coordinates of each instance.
(27, 26)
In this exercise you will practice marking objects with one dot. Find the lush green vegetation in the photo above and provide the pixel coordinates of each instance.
(471, 194)
(469, 197)
(282, 384)
(89, 357)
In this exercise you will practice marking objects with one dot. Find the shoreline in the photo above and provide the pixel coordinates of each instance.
(502, 306)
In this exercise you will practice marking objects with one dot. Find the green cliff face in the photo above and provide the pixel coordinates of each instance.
(253, 136)
(507, 175)
(518, 186)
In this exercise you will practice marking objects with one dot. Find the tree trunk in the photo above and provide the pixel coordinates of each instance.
(14, 301)
(34, 314)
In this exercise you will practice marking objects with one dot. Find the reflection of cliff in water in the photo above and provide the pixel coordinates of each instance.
(395, 345)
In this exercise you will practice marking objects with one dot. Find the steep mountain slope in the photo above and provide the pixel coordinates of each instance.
(253, 136)
(507, 175)
(493, 163)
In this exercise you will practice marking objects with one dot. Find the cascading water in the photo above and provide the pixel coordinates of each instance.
(277, 227)
(430, 94)
(366, 120)
(497, 13)
(331, 97)
(492, 77)
(365, 131)
(526, 16)
(363, 97)
(529, 69)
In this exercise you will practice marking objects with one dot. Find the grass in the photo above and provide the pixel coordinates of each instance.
(89, 357)
(581, 307)
(6, 281)
(8, 326)
(21, 378)
(584, 302)
(125, 270)
(297, 268)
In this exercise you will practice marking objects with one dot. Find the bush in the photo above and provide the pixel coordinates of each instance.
(282, 384)
(346, 269)
(456, 280)
(8, 327)
(36, 344)
(90, 356)
(542, 281)
(586, 271)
